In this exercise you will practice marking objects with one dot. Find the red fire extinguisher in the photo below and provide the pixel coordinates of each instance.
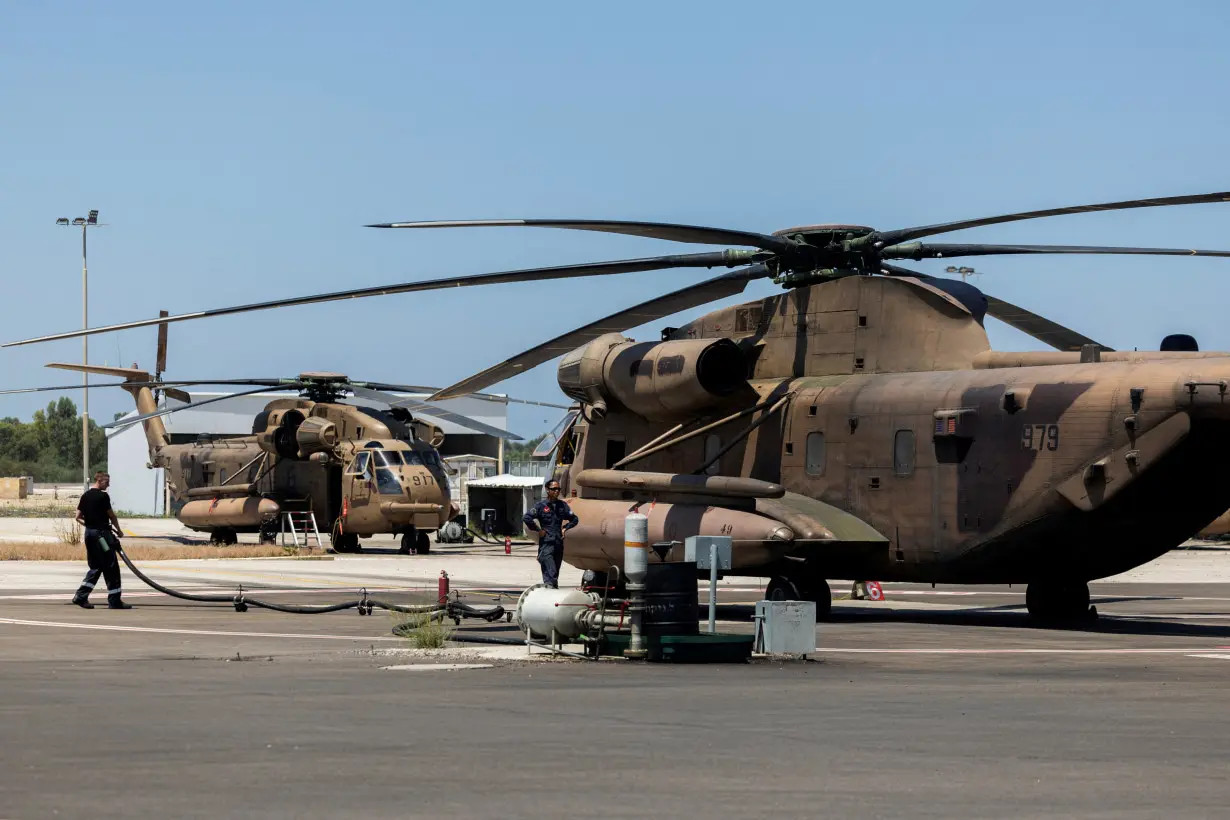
(443, 588)
(507, 545)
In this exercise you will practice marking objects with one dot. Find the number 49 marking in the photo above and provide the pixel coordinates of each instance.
(1040, 437)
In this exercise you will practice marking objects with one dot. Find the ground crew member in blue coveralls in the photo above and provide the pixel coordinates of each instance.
(551, 516)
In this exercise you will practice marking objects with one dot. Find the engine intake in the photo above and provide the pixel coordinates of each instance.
(661, 381)
(315, 435)
(279, 435)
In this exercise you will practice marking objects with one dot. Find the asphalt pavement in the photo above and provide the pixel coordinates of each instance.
(934, 703)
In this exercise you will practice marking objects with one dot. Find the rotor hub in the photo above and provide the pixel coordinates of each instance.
(821, 236)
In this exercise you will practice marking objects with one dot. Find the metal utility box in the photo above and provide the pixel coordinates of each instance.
(786, 627)
(696, 548)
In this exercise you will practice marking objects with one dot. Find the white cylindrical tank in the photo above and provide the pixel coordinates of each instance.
(636, 548)
(542, 609)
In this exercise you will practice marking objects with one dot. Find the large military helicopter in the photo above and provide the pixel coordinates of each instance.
(901, 446)
(358, 470)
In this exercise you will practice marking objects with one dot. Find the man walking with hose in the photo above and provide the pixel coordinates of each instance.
(102, 544)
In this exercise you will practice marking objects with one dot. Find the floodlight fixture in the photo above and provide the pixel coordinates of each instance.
(84, 222)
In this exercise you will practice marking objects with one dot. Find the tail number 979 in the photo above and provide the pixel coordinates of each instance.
(1040, 437)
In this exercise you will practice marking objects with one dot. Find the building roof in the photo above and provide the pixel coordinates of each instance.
(469, 457)
(508, 482)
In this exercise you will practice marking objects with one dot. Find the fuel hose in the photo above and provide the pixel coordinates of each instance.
(365, 603)
(496, 541)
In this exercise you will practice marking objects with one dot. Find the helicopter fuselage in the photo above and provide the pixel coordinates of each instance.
(965, 470)
(358, 471)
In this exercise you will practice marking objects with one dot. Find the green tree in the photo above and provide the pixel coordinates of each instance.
(520, 450)
(48, 447)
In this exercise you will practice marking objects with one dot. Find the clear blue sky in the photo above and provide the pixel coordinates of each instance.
(235, 149)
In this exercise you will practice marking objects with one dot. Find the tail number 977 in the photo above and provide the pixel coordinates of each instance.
(1040, 437)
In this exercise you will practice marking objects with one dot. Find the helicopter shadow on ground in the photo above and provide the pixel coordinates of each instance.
(1002, 617)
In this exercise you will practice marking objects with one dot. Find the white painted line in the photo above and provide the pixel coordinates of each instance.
(199, 589)
(223, 633)
(955, 651)
(1212, 655)
(432, 667)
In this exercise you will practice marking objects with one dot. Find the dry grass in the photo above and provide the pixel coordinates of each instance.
(69, 532)
(424, 631)
(139, 552)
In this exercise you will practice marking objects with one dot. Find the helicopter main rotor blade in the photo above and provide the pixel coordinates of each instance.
(434, 411)
(727, 259)
(904, 234)
(77, 386)
(924, 250)
(701, 293)
(1039, 327)
(427, 391)
(693, 234)
(166, 411)
(150, 384)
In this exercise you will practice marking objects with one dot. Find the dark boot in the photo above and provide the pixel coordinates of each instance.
(83, 601)
(115, 602)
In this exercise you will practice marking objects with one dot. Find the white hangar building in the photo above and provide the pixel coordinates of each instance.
(136, 488)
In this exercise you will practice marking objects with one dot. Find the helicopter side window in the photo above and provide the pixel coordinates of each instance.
(412, 458)
(359, 465)
(815, 454)
(903, 453)
(713, 446)
(386, 482)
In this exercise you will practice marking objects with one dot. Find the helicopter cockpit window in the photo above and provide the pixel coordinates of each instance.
(387, 458)
(430, 457)
(386, 482)
(412, 458)
(547, 445)
(359, 465)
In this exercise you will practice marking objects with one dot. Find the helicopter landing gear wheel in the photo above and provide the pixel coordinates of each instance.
(781, 588)
(346, 542)
(1059, 601)
(223, 538)
(792, 588)
(414, 542)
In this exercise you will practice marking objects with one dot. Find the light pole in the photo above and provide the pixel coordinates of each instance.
(964, 271)
(85, 222)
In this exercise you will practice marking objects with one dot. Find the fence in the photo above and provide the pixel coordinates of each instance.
(536, 469)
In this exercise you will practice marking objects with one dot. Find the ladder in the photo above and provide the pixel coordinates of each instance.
(297, 522)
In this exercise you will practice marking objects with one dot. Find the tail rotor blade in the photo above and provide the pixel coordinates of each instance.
(160, 364)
